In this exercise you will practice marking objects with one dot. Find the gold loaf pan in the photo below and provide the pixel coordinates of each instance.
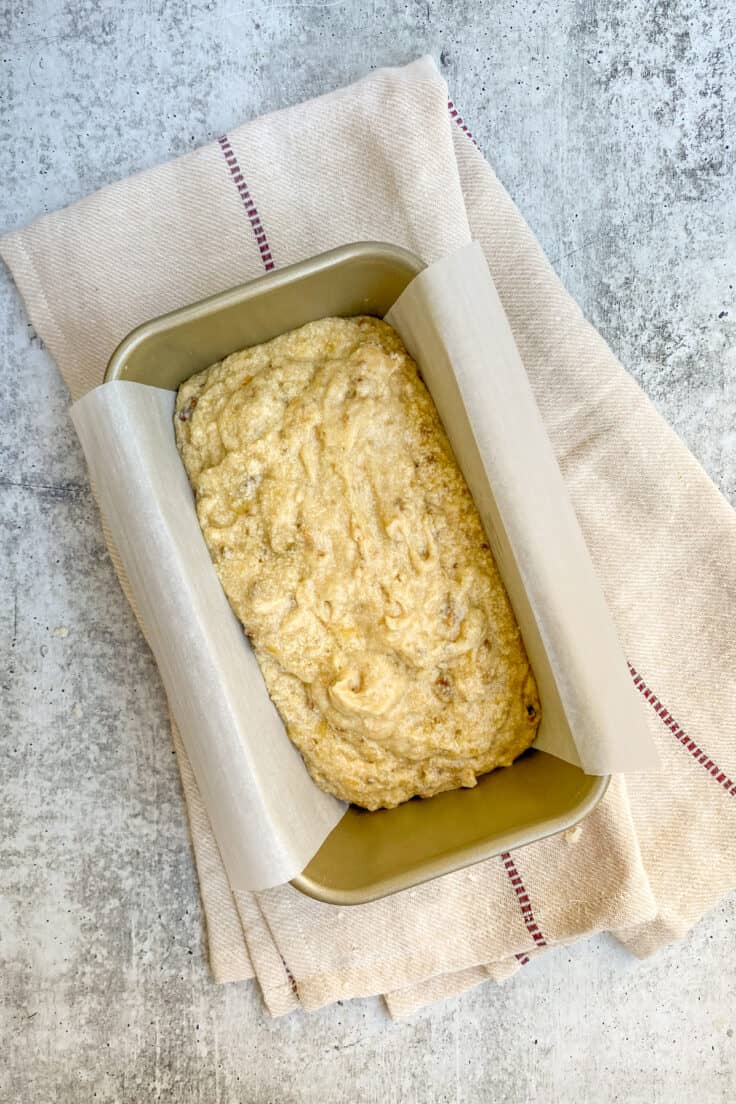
(369, 854)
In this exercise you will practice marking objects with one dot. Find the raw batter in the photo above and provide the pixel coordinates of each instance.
(349, 547)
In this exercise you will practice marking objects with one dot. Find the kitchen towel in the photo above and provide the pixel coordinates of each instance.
(390, 159)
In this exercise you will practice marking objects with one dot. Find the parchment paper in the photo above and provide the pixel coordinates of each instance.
(267, 815)
(453, 324)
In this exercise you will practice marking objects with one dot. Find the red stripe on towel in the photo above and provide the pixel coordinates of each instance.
(250, 208)
(455, 114)
(680, 735)
(522, 896)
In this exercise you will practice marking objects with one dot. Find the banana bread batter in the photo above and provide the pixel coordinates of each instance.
(349, 547)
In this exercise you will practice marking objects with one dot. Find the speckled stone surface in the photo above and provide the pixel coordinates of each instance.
(612, 124)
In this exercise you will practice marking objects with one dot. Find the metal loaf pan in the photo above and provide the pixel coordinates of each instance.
(368, 855)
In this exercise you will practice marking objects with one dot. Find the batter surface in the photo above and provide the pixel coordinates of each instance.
(348, 545)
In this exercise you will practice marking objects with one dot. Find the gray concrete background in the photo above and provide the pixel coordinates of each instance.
(612, 124)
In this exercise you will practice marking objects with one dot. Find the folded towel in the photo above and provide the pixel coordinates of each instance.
(389, 159)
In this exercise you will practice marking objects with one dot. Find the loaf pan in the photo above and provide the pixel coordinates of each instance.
(369, 854)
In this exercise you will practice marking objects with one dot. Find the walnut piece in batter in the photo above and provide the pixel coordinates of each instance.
(349, 547)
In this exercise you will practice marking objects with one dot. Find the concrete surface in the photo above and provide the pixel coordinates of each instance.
(612, 124)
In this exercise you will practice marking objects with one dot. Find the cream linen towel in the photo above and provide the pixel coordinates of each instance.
(388, 159)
